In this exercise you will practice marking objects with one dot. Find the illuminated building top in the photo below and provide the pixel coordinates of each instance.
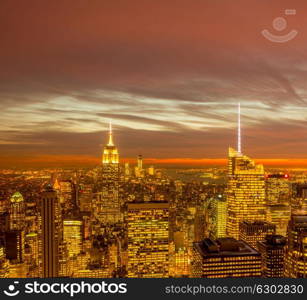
(17, 197)
(56, 185)
(110, 152)
(242, 164)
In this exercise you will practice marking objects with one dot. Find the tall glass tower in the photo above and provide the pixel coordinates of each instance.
(245, 192)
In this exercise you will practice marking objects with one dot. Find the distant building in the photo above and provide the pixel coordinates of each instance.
(277, 188)
(72, 234)
(272, 251)
(140, 162)
(14, 242)
(32, 250)
(252, 232)
(218, 216)
(148, 240)
(225, 257)
(4, 263)
(179, 262)
(17, 212)
(279, 215)
(138, 170)
(296, 250)
(151, 171)
(127, 170)
(199, 224)
(85, 197)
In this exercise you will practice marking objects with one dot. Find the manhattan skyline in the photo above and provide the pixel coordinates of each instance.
(169, 78)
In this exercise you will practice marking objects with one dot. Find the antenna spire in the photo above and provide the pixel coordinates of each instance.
(239, 128)
(110, 134)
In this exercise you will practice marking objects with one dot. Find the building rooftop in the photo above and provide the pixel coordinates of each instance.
(224, 247)
(274, 240)
(17, 197)
(148, 205)
(256, 223)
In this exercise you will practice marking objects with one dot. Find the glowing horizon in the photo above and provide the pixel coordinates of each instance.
(90, 161)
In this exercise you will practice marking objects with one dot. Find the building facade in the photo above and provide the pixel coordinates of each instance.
(107, 203)
(225, 257)
(148, 240)
(252, 232)
(272, 251)
(245, 192)
(50, 233)
(296, 250)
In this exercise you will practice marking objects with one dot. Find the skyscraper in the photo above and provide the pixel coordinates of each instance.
(15, 237)
(279, 215)
(296, 250)
(140, 162)
(17, 212)
(50, 233)
(179, 261)
(4, 263)
(72, 234)
(148, 238)
(278, 189)
(107, 202)
(14, 240)
(245, 192)
(245, 188)
(252, 232)
(139, 172)
(218, 215)
(272, 255)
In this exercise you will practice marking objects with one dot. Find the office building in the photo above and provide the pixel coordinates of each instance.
(17, 212)
(252, 232)
(277, 188)
(245, 192)
(218, 215)
(272, 251)
(50, 233)
(225, 257)
(296, 249)
(72, 234)
(279, 215)
(148, 239)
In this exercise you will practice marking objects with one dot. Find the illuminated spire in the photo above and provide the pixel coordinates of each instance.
(56, 185)
(239, 128)
(110, 135)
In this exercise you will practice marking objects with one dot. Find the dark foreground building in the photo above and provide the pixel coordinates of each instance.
(225, 257)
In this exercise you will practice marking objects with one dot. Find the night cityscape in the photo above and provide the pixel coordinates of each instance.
(136, 221)
(143, 139)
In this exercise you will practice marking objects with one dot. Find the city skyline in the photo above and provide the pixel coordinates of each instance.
(82, 161)
(169, 82)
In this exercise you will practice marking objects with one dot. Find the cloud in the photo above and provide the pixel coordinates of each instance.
(169, 77)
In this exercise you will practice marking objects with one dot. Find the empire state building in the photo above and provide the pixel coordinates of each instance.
(110, 158)
(108, 204)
